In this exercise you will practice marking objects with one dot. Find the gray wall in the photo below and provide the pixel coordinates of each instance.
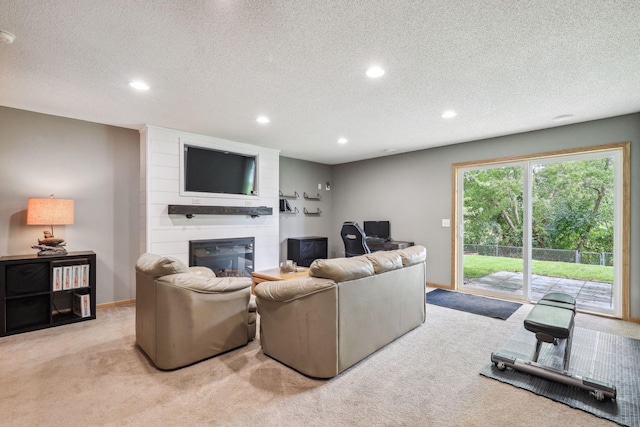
(97, 166)
(413, 190)
(303, 176)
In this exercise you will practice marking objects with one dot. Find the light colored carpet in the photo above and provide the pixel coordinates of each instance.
(92, 373)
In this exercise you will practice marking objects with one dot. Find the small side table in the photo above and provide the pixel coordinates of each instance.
(274, 274)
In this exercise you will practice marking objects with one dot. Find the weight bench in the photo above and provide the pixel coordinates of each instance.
(552, 321)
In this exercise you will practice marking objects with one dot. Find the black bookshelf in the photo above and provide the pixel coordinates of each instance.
(29, 295)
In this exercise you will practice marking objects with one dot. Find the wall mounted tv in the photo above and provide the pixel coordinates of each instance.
(211, 172)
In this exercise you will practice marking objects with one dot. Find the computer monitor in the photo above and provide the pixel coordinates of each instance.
(378, 229)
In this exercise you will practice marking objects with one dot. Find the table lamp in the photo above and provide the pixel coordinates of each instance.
(50, 212)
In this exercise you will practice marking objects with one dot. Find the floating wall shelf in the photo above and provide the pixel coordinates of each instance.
(189, 211)
(291, 211)
(295, 195)
(308, 197)
(317, 212)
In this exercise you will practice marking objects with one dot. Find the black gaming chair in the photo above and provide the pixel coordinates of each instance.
(354, 239)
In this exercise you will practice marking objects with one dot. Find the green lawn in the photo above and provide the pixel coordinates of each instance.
(479, 265)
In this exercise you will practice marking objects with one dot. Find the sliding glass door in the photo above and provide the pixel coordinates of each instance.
(543, 224)
(573, 229)
(493, 221)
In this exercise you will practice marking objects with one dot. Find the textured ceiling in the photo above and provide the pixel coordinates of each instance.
(214, 66)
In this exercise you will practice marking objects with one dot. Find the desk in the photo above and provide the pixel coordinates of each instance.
(389, 246)
(275, 274)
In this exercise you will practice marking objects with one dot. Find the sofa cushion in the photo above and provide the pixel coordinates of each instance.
(342, 269)
(385, 261)
(203, 283)
(157, 266)
(413, 255)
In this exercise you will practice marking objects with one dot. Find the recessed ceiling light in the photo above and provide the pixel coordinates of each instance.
(375, 72)
(6, 37)
(563, 118)
(449, 114)
(263, 119)
(140, 85)
(342, 140)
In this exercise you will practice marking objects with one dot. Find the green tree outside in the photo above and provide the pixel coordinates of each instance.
(572, 206)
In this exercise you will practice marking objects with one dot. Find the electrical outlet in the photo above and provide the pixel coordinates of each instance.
(319, 186)
(446, 223)
(195, 201)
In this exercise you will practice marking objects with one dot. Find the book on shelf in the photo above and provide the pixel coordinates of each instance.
(67, 277)
(56, 282)
(82, 305)
(76, 275)
(85, 275)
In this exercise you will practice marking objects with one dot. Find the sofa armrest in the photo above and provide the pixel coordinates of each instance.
(299, 324)
(156, 266)
(289, 290)
(204, 283)
(199, 269)
(413, 255)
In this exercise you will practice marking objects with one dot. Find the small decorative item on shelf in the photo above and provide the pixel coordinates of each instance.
(56, 283)
(67, 278)
(285, 207)
(288, 266)
(82, 305)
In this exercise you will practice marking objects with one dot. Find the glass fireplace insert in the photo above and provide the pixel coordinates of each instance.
(226, 257)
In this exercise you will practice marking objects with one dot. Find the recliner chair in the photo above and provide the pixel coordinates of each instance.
(187, 314)
(354, 239)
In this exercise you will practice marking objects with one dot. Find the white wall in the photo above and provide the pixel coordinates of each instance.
(93, 164)
(166, 234)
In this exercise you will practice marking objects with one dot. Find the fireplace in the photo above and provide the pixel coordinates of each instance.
(226, 257)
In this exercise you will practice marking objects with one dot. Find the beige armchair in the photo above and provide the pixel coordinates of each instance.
(187, 314)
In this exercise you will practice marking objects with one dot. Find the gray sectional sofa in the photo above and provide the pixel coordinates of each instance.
(347, 309)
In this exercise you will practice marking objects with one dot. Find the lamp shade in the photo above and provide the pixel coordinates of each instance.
(49, 211)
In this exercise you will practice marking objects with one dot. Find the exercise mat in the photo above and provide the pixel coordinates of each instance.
(598, 355)
(475, 304)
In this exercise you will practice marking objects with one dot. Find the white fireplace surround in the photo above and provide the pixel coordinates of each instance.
(165, 234)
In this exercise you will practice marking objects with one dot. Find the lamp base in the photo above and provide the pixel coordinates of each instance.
(50, 250)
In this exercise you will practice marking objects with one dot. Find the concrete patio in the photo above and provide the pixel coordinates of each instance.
(589, 295)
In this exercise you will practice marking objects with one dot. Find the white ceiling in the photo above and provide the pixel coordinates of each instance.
(215, 65)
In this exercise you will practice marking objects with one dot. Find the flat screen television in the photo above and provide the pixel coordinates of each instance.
(379, 229)
(211, 171)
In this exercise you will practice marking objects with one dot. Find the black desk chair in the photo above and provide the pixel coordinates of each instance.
(354, 239)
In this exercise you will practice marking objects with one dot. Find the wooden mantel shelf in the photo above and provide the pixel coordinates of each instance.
(189, 210)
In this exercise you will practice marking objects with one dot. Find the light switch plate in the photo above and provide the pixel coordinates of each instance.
(446, 223)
